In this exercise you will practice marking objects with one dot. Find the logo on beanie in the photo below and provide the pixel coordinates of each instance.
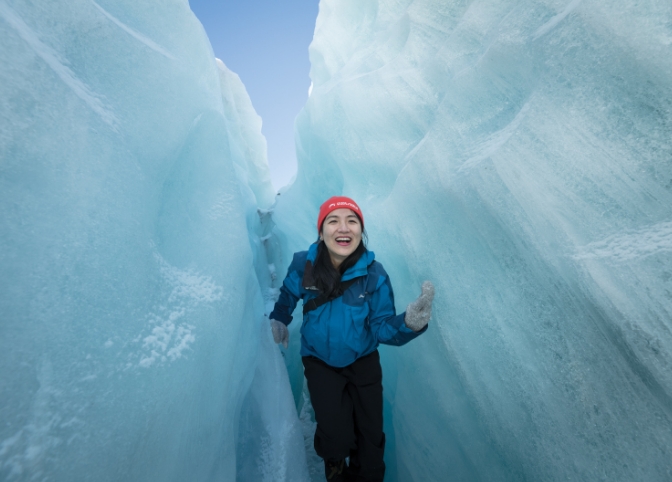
(343, 204)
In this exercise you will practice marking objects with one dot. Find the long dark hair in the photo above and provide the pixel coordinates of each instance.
(326, 276)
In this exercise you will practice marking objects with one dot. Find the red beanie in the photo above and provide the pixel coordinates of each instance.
(338, 202)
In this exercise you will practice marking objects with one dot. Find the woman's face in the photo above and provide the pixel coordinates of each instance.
(342, 233)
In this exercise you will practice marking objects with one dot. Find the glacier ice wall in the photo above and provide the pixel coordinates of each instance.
(519, 155)
(133, 343)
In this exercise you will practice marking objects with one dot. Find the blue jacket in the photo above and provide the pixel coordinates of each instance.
(350, 326)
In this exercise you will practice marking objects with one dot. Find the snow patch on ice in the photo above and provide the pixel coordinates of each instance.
(273, 459)
(29, 448)
(170, 336)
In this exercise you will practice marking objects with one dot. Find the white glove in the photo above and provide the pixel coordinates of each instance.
(419, 311)
(280, 332)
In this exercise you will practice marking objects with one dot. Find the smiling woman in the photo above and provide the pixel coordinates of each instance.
(348, 309)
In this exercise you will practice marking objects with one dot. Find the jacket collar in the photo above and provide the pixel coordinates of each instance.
(359, 269)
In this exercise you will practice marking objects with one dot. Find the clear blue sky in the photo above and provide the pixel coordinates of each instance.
(266, 43)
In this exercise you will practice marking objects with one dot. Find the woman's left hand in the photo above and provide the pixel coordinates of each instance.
(419, 311)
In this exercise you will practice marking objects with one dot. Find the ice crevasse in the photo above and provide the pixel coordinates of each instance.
(518, 155)
(133, 343)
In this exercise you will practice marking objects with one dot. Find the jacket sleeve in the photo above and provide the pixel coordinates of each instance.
(290, 291)
(388, 327)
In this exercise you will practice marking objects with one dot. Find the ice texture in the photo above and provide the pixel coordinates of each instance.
(133, 342)
(518, 155)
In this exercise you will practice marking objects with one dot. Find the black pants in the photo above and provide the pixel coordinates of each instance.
(348, 404)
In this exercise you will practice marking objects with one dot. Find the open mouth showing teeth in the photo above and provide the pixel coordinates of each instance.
(343, 241)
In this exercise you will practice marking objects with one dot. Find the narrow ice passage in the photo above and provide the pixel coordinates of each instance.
(518, 155)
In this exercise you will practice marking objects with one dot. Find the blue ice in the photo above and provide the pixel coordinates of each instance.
(517, 155)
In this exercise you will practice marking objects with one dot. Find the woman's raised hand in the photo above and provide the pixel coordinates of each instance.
(419, 311)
